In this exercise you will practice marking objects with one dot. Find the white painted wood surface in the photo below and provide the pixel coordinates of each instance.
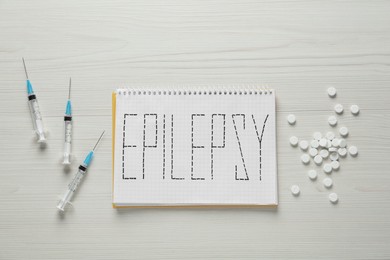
(295, 47)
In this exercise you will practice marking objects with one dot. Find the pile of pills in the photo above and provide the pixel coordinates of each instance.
(325, 150)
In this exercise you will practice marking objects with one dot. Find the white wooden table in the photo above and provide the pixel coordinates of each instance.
(295, 47)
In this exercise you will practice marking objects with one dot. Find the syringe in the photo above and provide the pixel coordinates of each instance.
(34, 108)
(72, 187)
(68, 128)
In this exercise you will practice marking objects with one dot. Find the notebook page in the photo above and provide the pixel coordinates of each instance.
(195, 148)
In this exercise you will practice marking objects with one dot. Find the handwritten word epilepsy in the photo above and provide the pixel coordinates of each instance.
(153, 118)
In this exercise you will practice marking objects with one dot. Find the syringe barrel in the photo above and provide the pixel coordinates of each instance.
(65, 200)
(68, 139)
(72, 187)
(77, 178)
(36, 118)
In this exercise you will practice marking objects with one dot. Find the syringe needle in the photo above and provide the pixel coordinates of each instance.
(70, 86)
(68, 128)
(98, 140)
(25, 70)
(34, 108)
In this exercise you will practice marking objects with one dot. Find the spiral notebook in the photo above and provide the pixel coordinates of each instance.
(183, 147)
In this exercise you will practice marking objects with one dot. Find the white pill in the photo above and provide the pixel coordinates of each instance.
(332, 120)
(327, 168)
(291, 119)
(294, 140)
(354, 110)
(332, 149)
(343, 143)
(332, 92)
(335, 142)
(335, 165)
(295, 190)
(339, 108)
(333, 198)
(313, 152)
(304, 145)
(314, 144)
(330, 136)
(324, 153)
(334, 156)
(343, 131)
(305, 158)
(353, 150)
(323, 142)
(342, 152)
(318, 159)
(327, 182)
(312, 174)
(317, 136)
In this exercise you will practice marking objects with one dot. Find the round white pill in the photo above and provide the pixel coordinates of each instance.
(305, 158)
(332, 120)
(327, 168)
(314, 144)
(304, 145)
(330, 136)
(332, 149)
(291, 119)
(335, 165)
(318, 159)
(312, 174)
(334, 156)
(327, 182)
(342, 152)
(294, 140)
(343, 131)
(333, 198)
(332, 92)
(335, 142)
(343, 143)
(313, 152)
(323, 142)
(324, 153)
(339, 108)
(317, 136)
(353, 150)
(295, 190)
(354, 110)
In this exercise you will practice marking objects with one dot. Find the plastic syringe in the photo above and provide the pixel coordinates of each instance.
(68, 128)
(73, 185)
(34, 108)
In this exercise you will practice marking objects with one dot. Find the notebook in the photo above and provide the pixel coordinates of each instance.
(191, 147)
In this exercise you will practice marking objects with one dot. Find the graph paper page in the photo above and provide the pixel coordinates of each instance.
(194, 148)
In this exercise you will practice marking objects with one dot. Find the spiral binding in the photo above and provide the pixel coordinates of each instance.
(188, 91)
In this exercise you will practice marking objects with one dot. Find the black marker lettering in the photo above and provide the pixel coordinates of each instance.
(173, 178)
(194, 147)
(125, 146)
(164, 146)
(239, 145)
(212, 140)
(260, 139)
(144, 146)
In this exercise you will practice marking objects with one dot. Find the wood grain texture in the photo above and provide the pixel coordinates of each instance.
(297, 47)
